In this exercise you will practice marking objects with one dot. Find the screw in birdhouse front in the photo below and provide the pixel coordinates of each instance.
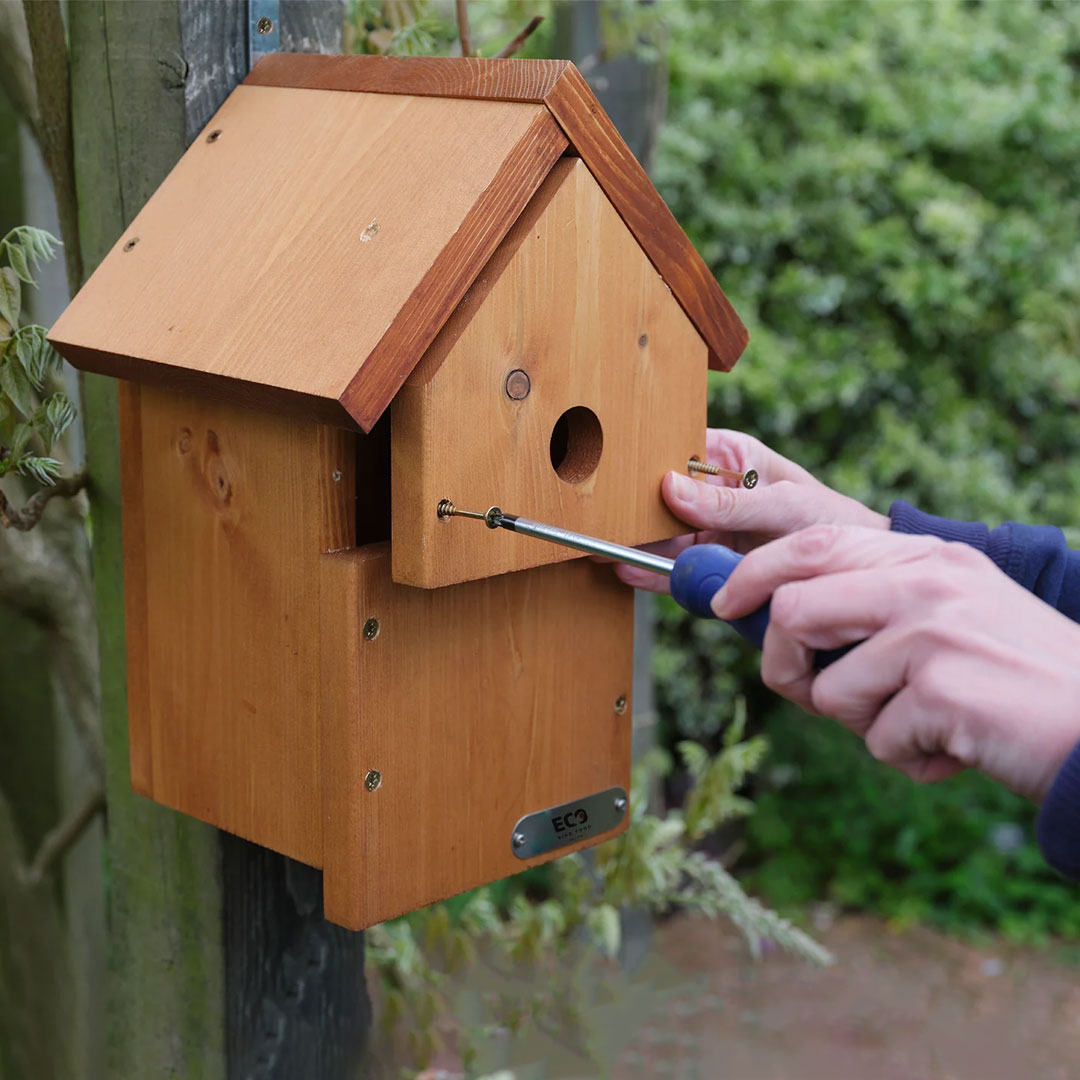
(620, 704)
(371, 629)
(373, 779)
(518, 840)
(620, 803)
(264, 25)
(214, 135)
(131, 243)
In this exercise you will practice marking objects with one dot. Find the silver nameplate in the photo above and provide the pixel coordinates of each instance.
(570, 823)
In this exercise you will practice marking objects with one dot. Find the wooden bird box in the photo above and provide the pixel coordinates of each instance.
(369, 285)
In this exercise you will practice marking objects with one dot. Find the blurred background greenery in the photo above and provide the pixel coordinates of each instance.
(889, 193)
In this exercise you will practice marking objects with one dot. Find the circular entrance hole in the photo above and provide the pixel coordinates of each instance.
(576, 443)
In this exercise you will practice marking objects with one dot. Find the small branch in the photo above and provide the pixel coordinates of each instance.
(57, 841)
(463, 27)
(26, 518)
(514, 44)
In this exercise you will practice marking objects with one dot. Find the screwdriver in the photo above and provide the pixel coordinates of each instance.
(697, 574)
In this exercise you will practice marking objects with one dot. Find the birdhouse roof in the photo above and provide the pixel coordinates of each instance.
(312, 241)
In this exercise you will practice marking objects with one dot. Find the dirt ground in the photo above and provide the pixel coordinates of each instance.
(912, 1005)
(896, 1006)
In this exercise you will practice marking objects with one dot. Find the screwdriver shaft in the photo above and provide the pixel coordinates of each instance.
(592, 545)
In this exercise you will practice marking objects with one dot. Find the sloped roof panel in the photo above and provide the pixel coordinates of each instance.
(307, 235)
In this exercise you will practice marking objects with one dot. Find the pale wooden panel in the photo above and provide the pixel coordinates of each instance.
(571, 299)
(282, 253)
(478, 704)
(226, 512)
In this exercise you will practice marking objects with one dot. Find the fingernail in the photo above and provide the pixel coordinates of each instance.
(682, 487)
(719, 602)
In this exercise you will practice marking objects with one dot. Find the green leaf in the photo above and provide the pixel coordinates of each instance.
(43, 469)
(59, 414)
(35, 353)
(17, 258)
(16, 385)
(27, 248)
(20, 437)
(604, 926)
(10, 295)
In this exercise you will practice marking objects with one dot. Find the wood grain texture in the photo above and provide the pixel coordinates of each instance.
(562, 88)
(571, 299)
(226, 511)
(639, 204)
(445, 282)
(454, 77)
(478, 704)
(285, 251)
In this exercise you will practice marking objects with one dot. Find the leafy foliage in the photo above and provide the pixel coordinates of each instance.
(396, 28)
(890, 196)
(833, 824)
(543, 945)
(31, 420)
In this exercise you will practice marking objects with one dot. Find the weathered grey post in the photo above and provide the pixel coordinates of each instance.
(220, 964)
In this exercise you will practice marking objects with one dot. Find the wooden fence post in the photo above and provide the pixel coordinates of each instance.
(220, 964)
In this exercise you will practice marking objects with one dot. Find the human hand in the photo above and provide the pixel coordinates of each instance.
(960, 667)
(787, 498)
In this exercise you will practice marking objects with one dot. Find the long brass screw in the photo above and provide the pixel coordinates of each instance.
(446, 509)
(748, 479)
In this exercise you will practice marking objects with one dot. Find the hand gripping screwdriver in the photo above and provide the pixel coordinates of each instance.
(697, 574)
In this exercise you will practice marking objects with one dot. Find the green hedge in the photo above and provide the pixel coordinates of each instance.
(890, 195)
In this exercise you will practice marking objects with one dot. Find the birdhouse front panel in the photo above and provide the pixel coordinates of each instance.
(371, 285)
(563, 388)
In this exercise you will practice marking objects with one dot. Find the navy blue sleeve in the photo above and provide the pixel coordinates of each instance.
(1036, 556)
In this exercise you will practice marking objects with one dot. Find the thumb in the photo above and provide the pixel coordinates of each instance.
(774, 510)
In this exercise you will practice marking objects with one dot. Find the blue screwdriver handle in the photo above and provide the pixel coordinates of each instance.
(697, 576)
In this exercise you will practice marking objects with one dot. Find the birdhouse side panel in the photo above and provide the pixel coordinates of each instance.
(226, 513)
(563, 389)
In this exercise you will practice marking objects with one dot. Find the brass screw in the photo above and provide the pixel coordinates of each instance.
(748, 479)
(518, 385)
(371, 629)
(446, 509)
(373, 779)
(131, 243)
(214, 135)
(264, 25)
(620, 704)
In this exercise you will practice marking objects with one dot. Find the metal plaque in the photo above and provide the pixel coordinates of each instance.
(558, 826)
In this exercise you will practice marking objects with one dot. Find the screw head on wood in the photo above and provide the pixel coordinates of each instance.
(214, 135)
(264, 25)
(371, 629)
(131, 243)
(518, 385)
(620, 704)
(620, 803)
(518, 840)
(373, 779)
